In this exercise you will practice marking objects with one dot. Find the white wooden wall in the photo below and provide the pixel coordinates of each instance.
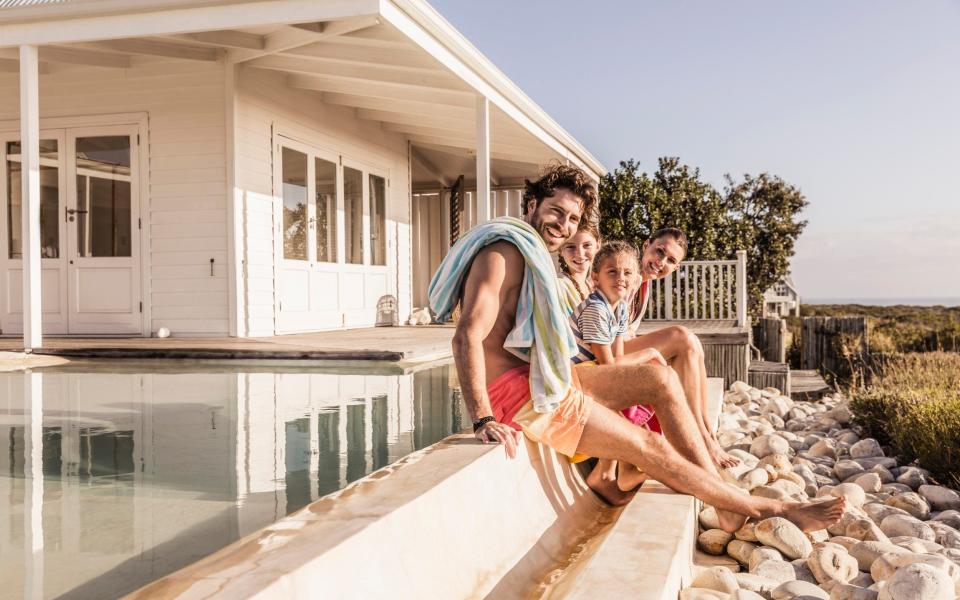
(184, 214)
(266, 105)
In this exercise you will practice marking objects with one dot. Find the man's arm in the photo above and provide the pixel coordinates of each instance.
(494, 271)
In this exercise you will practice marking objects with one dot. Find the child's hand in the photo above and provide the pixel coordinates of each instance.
(651, 356)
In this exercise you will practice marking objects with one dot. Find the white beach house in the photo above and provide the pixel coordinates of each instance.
(245, 168)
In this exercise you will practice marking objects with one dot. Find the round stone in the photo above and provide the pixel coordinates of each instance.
(709, 518)
(939, 497)
(720, 579)
(825, 447)
(867, 552)
(763, 554)
(912, 476)
(780, 462)
(911, 502)
(756, 583)
(866, 448)
(843, 540)
(794, 590)
(885, 566)
(844, 469)
(878, 512)
(869, 482)
(950, 517)
(866, 530)
(895, 488)
(769, 444)
(748, 532)
(918, 581)
(714, 541)
(740, 551)
(832, 562)
(946, 536)
(778, 570)
(845, 591)
(754, 478)
(852, 492)
(786, 537)
(895, 525)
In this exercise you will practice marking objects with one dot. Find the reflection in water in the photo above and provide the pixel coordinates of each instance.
(109, 480)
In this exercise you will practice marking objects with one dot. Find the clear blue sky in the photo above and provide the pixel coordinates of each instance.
(857, 103)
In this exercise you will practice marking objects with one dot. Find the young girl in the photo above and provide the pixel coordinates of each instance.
(599, 324)
(576, 258)
(662, 255)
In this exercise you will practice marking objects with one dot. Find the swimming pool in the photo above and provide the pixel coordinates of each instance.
(112, 475)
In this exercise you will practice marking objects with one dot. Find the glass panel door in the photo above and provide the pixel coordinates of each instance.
(325, 175)
(353, 214)
(378, 220)
(295, 217)
(49, 200)
(103, 199)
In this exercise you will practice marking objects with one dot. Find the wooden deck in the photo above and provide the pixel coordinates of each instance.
(807, 385)
(391, 344)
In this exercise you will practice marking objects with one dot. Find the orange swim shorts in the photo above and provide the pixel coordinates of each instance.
(561, 430)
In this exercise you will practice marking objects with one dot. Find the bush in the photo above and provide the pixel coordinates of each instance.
(913, 404)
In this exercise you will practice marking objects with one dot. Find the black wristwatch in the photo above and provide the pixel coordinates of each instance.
(481, 422)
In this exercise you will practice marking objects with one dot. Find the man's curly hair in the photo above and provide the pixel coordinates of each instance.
(564, 177)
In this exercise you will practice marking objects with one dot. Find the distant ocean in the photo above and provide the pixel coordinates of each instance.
(947, 301)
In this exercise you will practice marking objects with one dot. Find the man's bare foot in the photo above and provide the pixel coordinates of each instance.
(814, 516)
(718, 455)
(629, 478)
(730, 522)
(608, 490)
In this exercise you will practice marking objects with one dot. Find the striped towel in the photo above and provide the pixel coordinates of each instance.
(542, 335)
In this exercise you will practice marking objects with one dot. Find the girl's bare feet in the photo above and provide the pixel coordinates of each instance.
(607, 490)
(718, 455)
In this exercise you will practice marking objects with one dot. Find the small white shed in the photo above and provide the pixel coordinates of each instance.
(244, 168)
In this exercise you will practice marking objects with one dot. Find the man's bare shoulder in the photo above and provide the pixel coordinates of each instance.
(500, 256)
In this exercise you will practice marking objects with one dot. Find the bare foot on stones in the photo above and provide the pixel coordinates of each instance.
(719, 456)
(730, 522)
(813, 516)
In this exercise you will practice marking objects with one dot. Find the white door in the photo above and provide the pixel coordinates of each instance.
(53, 234)
(310, 208)
(103, 230)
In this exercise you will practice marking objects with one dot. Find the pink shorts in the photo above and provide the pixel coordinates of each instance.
(643, 416)
(561, 430)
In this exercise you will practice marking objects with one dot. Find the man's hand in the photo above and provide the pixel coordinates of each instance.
(498, 433)
(650, 356)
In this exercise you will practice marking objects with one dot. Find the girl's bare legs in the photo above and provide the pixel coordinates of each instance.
(685, 353)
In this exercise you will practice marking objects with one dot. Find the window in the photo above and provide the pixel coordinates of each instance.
(49, 201)
(326, 203)
(378, 221)
(353, 214)
(294, 166)
(103, 196)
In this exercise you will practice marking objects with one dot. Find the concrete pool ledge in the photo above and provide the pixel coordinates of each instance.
(459, 520)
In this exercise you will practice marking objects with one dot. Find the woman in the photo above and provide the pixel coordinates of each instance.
(660, 256)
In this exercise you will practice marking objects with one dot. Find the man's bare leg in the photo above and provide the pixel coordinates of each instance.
(608, 435)
(685, 353)
(619, 387)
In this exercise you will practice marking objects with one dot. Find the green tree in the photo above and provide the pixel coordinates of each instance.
(758, 214)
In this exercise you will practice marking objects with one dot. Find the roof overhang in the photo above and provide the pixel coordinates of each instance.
(398, 62)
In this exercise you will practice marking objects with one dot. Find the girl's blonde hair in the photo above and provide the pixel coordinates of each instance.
(614, 248)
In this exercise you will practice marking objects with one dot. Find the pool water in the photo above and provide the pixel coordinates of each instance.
(112, 476)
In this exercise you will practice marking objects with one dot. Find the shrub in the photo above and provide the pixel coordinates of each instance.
(913, 404)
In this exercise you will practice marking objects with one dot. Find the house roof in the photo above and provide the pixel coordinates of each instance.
(398, 62)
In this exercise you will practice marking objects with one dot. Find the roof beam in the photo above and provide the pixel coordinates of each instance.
(289, 38)
(227, 38)
(75, 56)
(344, 85)
(290, 64)
(410, 107)
(150, 47)
(458, 149)
(422, 162)
(407, 57)
(168, 21)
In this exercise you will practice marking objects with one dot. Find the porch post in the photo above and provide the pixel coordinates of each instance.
(482, 200)
(742, 288)
(30, 196)
(33, 473)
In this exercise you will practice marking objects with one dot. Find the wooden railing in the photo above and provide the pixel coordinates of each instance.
(710, 290)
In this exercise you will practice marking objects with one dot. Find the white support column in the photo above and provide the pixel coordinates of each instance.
(483, 212)
(33, 475)
(30, 198)
(742, 288)
(236, 278)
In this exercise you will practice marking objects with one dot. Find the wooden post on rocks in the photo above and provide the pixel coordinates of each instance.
(831, 343)
(770, 337)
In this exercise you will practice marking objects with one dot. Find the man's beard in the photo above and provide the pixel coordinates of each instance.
(537, 223)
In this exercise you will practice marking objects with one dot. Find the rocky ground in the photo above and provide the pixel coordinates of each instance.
(897, 540)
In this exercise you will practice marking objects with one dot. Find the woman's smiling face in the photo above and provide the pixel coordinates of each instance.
(661, 257)
(578, 251)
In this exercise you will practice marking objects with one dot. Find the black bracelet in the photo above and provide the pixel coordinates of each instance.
(481, 422)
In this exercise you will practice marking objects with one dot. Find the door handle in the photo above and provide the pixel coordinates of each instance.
(76, 211)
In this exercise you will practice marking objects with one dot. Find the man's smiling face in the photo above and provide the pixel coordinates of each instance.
(557, 217)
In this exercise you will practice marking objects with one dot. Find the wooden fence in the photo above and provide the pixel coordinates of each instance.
(770, 337)
(834, 344)
(707, 290)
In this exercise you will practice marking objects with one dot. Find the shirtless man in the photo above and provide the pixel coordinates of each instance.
(587, 421)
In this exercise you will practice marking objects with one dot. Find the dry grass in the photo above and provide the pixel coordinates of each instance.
(913, 403)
